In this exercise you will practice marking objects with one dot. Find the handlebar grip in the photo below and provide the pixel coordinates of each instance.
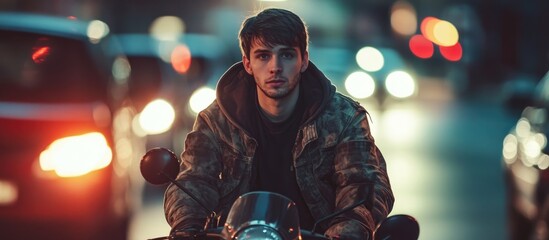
(308, 235)
(215, 234)
(193, 234)
(183, 235)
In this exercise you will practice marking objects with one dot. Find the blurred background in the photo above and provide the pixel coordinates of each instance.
(446, 83)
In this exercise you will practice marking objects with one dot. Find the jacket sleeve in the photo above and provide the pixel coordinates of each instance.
(360, 173)
(199, 173)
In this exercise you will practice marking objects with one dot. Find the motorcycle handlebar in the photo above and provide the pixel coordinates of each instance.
(160, 165)
(215, 234)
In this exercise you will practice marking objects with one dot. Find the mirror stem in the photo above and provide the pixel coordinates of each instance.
(212, 213)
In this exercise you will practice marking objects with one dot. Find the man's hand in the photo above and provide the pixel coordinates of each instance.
(349, 230)
(187, 234)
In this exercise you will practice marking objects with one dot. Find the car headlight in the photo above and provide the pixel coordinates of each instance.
(157, 117)
(400, 84)
(360, 85)
(200, 99)
(76, 155)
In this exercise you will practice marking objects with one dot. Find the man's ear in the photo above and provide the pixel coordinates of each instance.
(246, 63)
(305, 62)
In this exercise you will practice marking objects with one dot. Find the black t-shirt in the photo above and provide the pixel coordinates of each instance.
(273, 167)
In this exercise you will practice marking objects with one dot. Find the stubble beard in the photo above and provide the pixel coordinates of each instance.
(276, 94)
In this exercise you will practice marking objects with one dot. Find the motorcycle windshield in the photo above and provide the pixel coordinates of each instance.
(271, 212)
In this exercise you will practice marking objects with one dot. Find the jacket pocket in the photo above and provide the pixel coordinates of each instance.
(233, 168)
(323, 164)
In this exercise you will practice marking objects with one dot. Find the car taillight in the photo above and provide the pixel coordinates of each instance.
(76, 155)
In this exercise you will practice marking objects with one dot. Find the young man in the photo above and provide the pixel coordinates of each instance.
(278, 125)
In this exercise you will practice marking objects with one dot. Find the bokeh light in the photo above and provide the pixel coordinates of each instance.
(76, 155)
(427, 26)
(40, 54)
(421, 47)
(181, 59)
(360, 85)
(403, 18)
(9, 193)
(452, 53)
(445, 33)
(97, 30)
(400, 84)
(121, 70)
(201, 98)
(510, 147)
(157, 117)
(440, 32)
(167, 28)
(370, 59)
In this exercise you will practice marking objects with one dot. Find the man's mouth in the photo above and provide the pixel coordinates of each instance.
(275, 82)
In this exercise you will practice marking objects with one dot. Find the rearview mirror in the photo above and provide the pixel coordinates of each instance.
(159, 165)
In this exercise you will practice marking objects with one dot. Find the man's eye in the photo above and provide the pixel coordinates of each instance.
(263, 56)
(288, 55)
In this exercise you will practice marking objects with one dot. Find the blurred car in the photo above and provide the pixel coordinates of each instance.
(370, 73)
(68, 154)
(170, 71)
(526, 162)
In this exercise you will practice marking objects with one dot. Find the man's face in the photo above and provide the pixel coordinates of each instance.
(276, 69)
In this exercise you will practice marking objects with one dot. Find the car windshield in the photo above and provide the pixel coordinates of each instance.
(41, 68)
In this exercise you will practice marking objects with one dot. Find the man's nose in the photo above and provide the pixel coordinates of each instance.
(276, 64)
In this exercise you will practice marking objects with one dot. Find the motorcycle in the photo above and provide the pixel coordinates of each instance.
(259, 214)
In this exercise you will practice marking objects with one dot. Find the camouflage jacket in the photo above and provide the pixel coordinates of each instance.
(335, 158)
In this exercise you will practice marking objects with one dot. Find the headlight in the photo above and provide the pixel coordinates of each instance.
(76, 155)
(201, 98)
(257, 233)
(360, 85)
(370, 59)
(400, 84)
(157, 117)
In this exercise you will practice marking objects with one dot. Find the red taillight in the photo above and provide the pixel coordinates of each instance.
(76, 155)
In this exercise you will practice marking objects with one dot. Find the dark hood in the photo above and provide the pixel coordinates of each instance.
(236, 94)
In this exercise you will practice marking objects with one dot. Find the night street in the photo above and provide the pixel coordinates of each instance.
(443, 157)
(457, 94)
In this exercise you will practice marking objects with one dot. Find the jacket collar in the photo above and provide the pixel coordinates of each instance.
(236, 93)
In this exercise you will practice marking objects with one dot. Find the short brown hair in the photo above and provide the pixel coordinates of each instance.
(273, 26)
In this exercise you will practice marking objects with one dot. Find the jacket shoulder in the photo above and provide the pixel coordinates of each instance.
(341, 112)
(213, 117)
(344, 105)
